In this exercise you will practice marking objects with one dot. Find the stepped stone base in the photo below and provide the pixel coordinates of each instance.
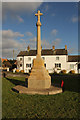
(39, 77)
(50, 91)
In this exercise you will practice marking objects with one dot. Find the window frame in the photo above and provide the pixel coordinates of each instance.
(28, 65)
(43, 58)
(71, 66)
(58, 65)
(29, 58)
(57, 58)
(20, 59)
(20, 65)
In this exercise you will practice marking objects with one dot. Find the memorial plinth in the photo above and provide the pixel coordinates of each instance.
(39, 81)
(39, 77)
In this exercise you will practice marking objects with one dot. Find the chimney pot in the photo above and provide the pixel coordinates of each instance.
(53, 47)
(28, 48)
(65, 47)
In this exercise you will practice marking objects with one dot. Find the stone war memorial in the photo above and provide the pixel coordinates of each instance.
(39, 81)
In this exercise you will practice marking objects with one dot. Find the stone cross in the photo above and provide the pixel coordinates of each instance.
(38, 24)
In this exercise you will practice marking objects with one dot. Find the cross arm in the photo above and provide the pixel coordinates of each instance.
(36, 14)
(41, 13)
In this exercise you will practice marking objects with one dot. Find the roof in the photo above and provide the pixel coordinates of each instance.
(43, 52)
(3, 60)
(7, 64)
(75, 58)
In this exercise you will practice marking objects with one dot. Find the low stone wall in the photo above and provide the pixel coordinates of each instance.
(7, 74)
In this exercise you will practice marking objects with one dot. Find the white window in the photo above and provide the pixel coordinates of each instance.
(57, 65)
(43, 58)
(29, 58)
(71, 66)
(28, 65)
(20, 59)
(57, 58)
(20, 65)
(45, 65)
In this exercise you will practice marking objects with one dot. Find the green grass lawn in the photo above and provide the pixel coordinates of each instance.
(63, 105)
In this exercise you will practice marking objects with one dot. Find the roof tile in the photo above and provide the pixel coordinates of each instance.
(43, 52)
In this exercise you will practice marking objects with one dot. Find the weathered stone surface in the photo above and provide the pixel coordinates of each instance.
(50, 91)
(38, 61)
(39, 77)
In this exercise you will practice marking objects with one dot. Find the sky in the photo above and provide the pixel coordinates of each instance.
(59, 26)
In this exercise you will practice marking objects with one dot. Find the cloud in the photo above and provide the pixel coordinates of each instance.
(14, 17)
(23, 40)
(32, 43)
(54, 32)
(10, 42)
(16, 9)
(74, 19)
(46, 8)
(56, 42)
(8, 45)
(19, 19)
(20, 7)
(45, 44)
(29, 34)
(72, 50)
(8, 53)
(33, 39)
(10, 34)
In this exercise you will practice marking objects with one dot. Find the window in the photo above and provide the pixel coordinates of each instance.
(20, 65)
(28, 65)
(71, 66)
(43, 58)
(20, 59)
(57, 58)
(57, 65)
(45, 65)
(29, 58)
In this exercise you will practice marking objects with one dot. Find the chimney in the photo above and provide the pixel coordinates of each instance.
(65, 47)
(53, 47)
(28, 48)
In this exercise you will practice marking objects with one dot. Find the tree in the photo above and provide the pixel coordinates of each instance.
(7, 64)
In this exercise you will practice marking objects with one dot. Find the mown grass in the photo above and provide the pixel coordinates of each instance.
(63, 105)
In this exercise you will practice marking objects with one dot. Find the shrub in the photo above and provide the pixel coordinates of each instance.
(72, 71)
(63, 71)
(55, 72)
(17, 70)
(22, 71)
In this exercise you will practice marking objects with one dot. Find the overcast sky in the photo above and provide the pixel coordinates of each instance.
(59, 26)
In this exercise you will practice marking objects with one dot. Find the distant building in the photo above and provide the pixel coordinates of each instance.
(55, 60)
(2, 60)
(6, 64)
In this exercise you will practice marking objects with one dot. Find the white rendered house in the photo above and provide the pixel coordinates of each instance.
(55, 60)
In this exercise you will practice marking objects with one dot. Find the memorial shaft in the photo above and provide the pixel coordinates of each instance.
(39, 78)
(38, 24)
